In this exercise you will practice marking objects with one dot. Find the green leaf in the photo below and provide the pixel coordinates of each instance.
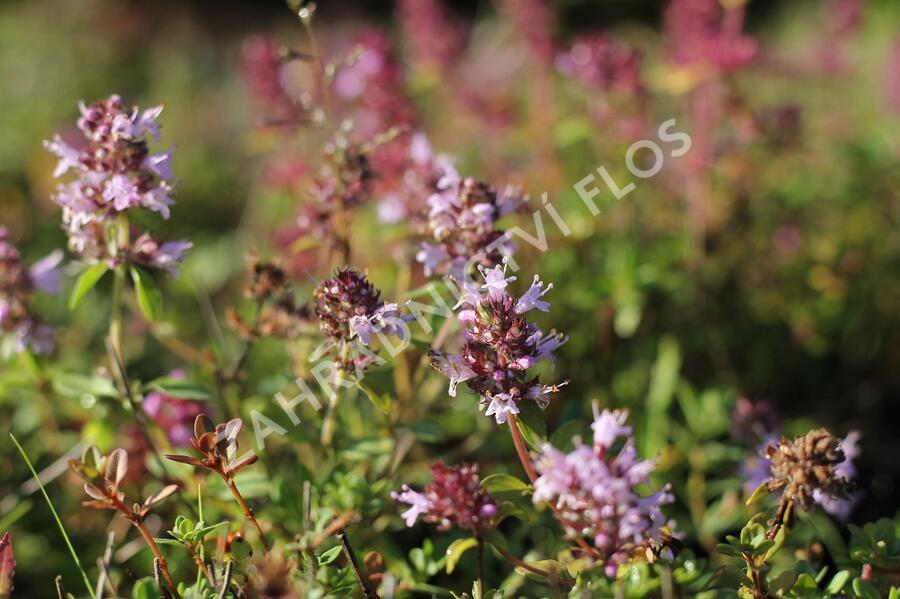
(551, 566)
(456, 550)
(865, 589)
(729, 550)
(382, 402)
(662, 388)
(838, 582)
(149, 296)
(145, 588)
(180, 388)
(781, 536)
(329, 556)
(532, 425)
(761, 491)
(782, 583)
(78, 385)
(503, 483)
(87, 280)
(562, 436)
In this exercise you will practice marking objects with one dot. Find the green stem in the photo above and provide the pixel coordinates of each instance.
(62, 530)
(115, 317)
(340, 377)
(480, 567)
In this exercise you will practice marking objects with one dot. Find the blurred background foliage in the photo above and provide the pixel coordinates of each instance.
(791, 291)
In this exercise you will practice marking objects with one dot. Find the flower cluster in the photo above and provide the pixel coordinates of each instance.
(807, 468)
(410, 172)
(17, 284)
(433, 38)
(349, 307)
(593, 489)
(373, 79)
(345, 181)
(115, 172)
(600, 62)
(705, 34)
(262, 65)
(533, 21)
(453, 498)
(757, 424)
(501, 345)
(462, 222)
(278, 313)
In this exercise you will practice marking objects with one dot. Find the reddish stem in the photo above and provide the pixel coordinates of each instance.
(522, 452)
(245, 508)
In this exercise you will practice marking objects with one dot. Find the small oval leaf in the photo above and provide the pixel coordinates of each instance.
(87, 280)
(149, 296)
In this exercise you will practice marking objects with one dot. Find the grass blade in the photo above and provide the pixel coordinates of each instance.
(62, 529)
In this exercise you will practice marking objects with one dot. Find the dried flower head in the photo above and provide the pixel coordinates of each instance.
(453, 498)
(115, 172)
(593, 488)
(805, 466)
(278, 313)
(501, 345)
(462, 225)
(271, 577)
(18, 283)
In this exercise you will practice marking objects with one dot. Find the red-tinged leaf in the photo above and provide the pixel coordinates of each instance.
(94, 491)
(248, 460)
(202, 424)
(160, 495)
(206, 442)
(116, 466)
(184, 459)
(7, 566)
(97, 505)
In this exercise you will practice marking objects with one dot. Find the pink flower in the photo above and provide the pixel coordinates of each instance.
(452, 498)
(501, 346)
(593, 487)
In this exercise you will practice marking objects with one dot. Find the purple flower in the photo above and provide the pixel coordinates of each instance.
(17, 286)
(453, 498)
(349, 307)
(166, 256)
(602, 63)
(462, 225)
(114, 173)
(174, 415)
(837, 506)
(703, 32)
(593, 487)
(500, 347)
(45, 273)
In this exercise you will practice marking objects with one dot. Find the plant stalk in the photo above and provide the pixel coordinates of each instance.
(246, 509)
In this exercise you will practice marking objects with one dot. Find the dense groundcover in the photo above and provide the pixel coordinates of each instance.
(508, 298)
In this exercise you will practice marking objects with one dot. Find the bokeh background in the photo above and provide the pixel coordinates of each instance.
(784, 284)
